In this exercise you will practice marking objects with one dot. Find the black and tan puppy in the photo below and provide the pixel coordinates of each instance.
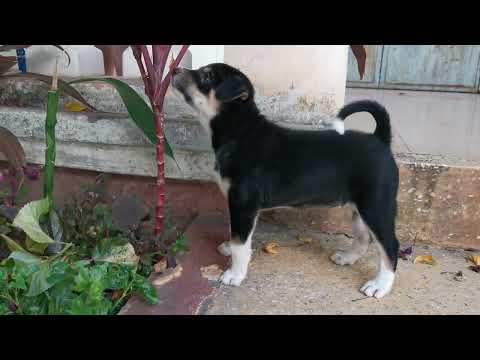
(260, 165)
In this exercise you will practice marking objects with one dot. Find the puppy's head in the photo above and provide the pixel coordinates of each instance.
(210, 88)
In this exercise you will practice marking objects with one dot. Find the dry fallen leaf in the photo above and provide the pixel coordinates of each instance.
(475, 259)
(271, 248)
(211, 272)
(425, 259)
(12, 150)
(117, 294)
(167, 276)
(75, 106)
(305, 239)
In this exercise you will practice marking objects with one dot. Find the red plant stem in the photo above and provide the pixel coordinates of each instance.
(159, 208)
(149, 66)
(137, 53)
(160, 57)
(164, 86)
(159, 97)
(156, 89)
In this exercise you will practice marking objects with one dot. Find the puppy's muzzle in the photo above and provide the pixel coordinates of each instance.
(181, 79)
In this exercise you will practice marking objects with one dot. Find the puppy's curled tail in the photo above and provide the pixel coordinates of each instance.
(383, 130)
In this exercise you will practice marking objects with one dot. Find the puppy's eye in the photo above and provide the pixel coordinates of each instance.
(207, 76)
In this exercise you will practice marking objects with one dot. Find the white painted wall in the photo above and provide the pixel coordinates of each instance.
(87, 59)
(318, 71)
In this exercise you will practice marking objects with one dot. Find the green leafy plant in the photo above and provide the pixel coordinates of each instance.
(95, 282)
(60, 286)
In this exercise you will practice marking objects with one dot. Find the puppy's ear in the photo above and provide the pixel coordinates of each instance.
(232, 89)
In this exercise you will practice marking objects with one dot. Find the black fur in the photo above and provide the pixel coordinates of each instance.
(271, 166)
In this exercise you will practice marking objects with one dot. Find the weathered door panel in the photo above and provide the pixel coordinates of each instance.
(430, 67)
(372, 68)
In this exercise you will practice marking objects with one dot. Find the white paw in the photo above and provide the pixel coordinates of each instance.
(224, 249)
(342, 257)
(377, 288)
(231, 278)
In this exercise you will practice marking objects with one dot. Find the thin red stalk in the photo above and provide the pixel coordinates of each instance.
(166, 81)
(137, 53)
(160, 57)
(150, 69)
(156, 90)
(159, 209)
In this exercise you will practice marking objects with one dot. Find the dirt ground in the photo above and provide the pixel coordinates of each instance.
(301, 279)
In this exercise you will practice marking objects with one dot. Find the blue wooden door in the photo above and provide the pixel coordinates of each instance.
(425, 67)
(371, 77)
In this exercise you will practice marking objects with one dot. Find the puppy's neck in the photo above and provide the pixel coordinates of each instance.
(233, 123)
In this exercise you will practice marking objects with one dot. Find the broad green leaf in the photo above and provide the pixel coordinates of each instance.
(82, 280)
(3, 279)
(28, 220)
(81, 264)
(24, 257)
(145, 289)
(97, 275)
(35, 305)
(137, 108)
(58, 272)
(79, 306)
(11, 244)
(61, 297)
(39, 283)
(82, 305)
(4, 310)
(19, 276)
(35, 247)
(57, 231)
(111, 251)
(3, 274)
(18, 282)
(118, 277)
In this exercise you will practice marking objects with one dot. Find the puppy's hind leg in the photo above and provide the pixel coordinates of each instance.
(362, 239)
(382, 225)
(382, 284)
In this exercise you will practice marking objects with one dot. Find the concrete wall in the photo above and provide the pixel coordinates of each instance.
(318, 72)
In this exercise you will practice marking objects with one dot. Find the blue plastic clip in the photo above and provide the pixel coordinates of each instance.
(21, 60)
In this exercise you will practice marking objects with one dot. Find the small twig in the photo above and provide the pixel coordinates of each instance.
(364, 298)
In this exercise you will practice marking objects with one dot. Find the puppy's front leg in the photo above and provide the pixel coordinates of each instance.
(243, 221)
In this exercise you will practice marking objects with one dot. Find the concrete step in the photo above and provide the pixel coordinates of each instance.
(289, 107)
